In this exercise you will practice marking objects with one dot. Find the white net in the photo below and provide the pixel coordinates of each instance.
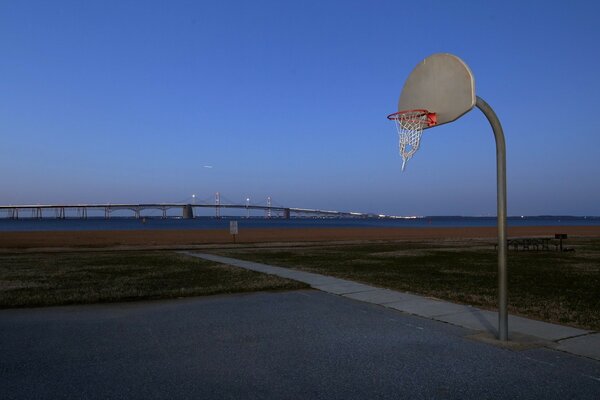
(410, 128)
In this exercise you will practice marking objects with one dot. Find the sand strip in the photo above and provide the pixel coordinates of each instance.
(22, 240)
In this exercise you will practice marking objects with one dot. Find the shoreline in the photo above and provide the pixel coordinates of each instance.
(187, 237)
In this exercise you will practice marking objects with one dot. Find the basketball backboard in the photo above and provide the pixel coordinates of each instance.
(442, 84)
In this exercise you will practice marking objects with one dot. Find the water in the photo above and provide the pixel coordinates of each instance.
(154, 223)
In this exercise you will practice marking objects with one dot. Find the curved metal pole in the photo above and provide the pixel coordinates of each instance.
(502, 240)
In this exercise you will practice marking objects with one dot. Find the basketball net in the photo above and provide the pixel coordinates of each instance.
(410, 125)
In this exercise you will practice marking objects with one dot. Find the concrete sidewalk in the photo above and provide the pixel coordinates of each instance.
(522, 331)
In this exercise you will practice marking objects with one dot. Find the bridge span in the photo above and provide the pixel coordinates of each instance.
(63, 211)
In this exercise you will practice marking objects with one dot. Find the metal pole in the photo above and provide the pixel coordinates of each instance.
(502, 240)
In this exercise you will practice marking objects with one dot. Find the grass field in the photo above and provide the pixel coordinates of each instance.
(28, 280)
(551, 286)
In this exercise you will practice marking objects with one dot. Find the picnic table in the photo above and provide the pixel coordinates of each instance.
(526, 244)
(543, 243)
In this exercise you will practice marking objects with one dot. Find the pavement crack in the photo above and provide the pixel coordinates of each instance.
(595, 378)
(576, 336)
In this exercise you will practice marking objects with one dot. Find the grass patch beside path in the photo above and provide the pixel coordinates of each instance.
(556, 287)
(30, 280)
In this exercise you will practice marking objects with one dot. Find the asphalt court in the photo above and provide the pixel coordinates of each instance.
(298, 344)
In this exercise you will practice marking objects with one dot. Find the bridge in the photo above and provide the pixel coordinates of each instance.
(187, 210)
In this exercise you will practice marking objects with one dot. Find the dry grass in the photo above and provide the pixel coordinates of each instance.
(28, 280)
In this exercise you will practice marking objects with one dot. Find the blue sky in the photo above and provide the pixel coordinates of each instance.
(128, 101)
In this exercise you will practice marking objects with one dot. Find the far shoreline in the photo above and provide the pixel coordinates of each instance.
(189, 237)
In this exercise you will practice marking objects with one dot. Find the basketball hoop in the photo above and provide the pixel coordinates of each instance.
(444, 84)
(410, 126)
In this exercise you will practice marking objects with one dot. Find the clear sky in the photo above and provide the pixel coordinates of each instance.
(132, 101)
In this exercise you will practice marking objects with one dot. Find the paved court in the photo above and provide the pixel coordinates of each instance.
(287, 345)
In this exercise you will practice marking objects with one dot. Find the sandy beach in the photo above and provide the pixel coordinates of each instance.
(94, 239)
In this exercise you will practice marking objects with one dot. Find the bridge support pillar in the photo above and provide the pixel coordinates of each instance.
(286, 213)
(188, 212)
